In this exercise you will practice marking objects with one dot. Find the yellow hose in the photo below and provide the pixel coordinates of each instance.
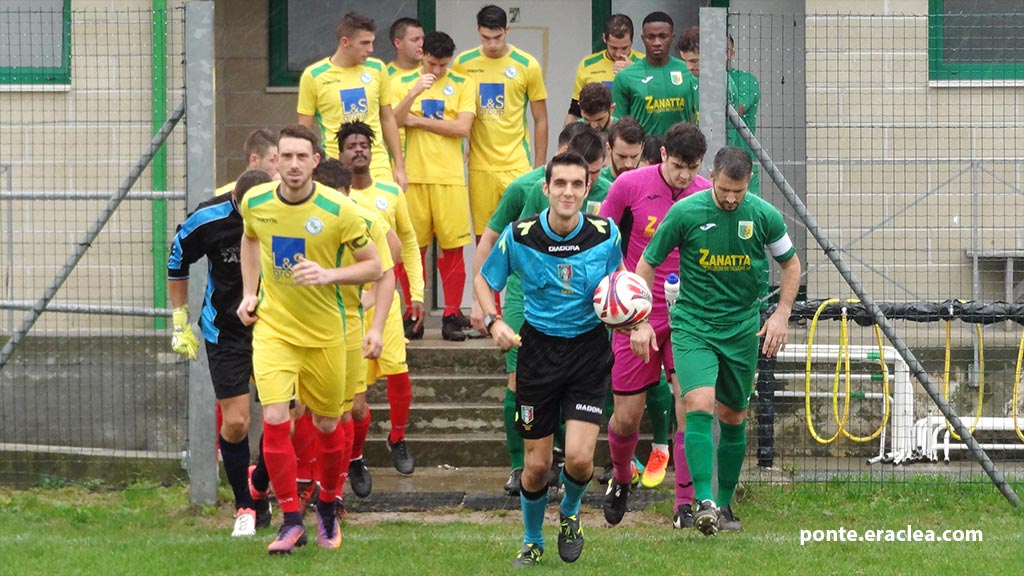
(1016, 388)
(981, 378)
(807, 383)
(885, 392)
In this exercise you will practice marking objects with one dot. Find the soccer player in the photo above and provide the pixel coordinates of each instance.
(601, 67)
(356, 142)
(723, 236)
(625, 148)
(406, 35)
(347, 86)
(437, 107)
(560, 255)
(595, 104)
(293, 233)
(214, 230)
(638, 202)
(658, 91)
(507, 78)
(260, 150)
(652, 151)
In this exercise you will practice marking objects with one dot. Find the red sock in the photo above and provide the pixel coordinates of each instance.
(304, 439)
(329, 459)
(399, 399)
(452, 267)
(403, 281)
(220, 422)
(346, 452)
(279, 455)
(360, 429)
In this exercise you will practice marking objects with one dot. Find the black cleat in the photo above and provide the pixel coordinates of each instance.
(409, 323)
(606, 475)
(615, 500)
(529, 556)
(683, 517)
(451, 329)
(570, 537)
(401, 457)
(727, 521)
(359, 478)
(706, 518)
(514, 483)
(264, 512)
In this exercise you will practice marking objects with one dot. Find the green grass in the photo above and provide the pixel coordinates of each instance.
(152, 530)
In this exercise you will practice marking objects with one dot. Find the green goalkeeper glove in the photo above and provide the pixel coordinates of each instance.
(184, 340)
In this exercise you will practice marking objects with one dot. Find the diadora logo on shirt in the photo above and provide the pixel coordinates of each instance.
(433, 109)
(286, 252)
(492, 99)
(354, 104)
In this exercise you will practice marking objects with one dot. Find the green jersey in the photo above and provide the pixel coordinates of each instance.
(722, 256)
(657, 96)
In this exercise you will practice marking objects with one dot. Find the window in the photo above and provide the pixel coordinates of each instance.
(35, 42)
(975, 40)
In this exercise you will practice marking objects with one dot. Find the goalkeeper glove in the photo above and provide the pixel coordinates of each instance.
(184, 340)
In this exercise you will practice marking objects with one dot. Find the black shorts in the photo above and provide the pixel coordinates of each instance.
(230, 368)
(561, 378)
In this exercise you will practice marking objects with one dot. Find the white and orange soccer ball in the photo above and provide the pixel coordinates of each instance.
(622, 300)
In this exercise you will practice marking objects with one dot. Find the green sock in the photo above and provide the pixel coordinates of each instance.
(609, 404)
(659, 409)
(513, 441)
(732, 448)
(700, 453)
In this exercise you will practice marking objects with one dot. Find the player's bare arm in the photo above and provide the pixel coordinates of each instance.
(366, 269)
(458, 128)
(539, 110)
(306, 120)
(643, 339)
(384, 293)
(776, 328)
(391, 138)
(504, 337)
(483, 249)
(250, 264)
(405, 106)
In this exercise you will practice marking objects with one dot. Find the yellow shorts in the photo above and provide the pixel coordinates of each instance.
(441, 210)
(355, 376)
(485, 190)
(392, 359)
(314, 376)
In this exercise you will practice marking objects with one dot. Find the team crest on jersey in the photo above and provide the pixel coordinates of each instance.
(448, 90)
(676, 76)
(526, 414)
(381, 203)
(286, 252)
(366, 78)
(746, 231)
(354, 104)
(433, 109)
(510, 72)
(492, 99)
(565, 273)
(314, 225)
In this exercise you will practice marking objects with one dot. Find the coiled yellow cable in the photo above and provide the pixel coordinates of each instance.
(981, 378)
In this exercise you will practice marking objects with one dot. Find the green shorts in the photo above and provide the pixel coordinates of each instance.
(724, 357)
(512, 314)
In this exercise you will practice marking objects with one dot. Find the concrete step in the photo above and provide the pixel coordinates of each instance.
(446, 388)
(470, 357)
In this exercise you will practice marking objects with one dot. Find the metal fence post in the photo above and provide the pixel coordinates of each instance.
(713, 80)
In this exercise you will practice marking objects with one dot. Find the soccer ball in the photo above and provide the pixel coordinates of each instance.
(622, 300)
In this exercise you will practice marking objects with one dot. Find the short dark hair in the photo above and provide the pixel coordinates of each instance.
(398, 28)
(247, 180)
(301, 132)
(689, 40)
(685, 142)
(354, 128)
(595, 97)
(438, 45)
(258, 142)
(331, 172)
(628, 130)
(569, 130)
(567, 159)
(658, 16)
(618, 25)
(733, 162)
(652, 148)
(588, 144)
(353, 22)
(492, 17)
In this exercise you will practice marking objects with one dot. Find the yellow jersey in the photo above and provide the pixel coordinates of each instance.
(432, 158)
(225, 189)
(394, 71)
(389, 201)
(598, 68)
(322, 228)
(351, 293)
(334, 95)
(499, 139)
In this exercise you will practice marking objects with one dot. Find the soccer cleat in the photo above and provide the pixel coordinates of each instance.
(514, 483)
(636, 469)
(328, 532)
(654, 472)
(359, 478)
(264, 512)
(683, 517)
(615, 500)
(308, 491)
(339, 508)
(256, 494)
(410, 334)
(529, 555)
(451, 329)
(706, 518)
(606, 475)
(401, 457)
(245, 523)
(570, 537)
(288, 538)
(727, 521)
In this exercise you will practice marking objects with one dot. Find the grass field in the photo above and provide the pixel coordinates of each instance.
(152, 530)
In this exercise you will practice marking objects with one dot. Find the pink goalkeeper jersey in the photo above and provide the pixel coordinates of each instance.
(637, 202)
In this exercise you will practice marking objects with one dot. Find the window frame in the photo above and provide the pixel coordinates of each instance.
(941, 71)
(45, 75)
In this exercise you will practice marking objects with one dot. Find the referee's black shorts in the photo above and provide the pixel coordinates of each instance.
(230, 367)
(561, 377)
